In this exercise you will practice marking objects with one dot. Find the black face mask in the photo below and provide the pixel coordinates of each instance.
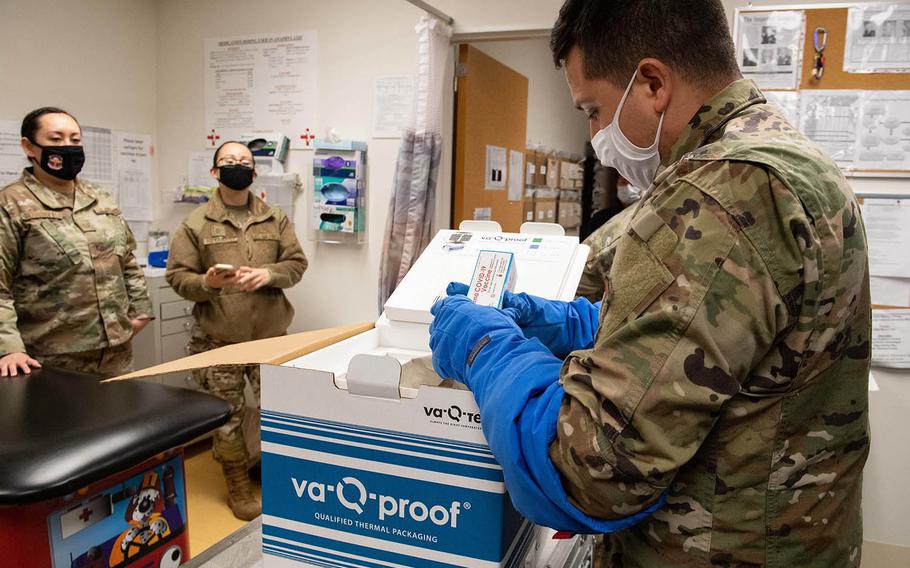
(63, 162)
(236, 177)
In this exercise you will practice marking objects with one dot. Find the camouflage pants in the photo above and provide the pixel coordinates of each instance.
(108, 362)
(227, 382)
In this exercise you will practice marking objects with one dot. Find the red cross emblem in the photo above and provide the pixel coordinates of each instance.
(307, 136)
(85, 514)
(213, 137)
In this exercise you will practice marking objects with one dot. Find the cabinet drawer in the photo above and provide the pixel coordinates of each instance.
(167, 294)
(174, 346)
(179, 325)
(182, 380)
(180, 309)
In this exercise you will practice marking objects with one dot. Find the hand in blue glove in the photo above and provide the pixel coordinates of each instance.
(562, 327)
(516, 384)
(460, 330)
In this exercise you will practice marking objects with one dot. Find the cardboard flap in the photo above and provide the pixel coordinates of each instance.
(275, 351)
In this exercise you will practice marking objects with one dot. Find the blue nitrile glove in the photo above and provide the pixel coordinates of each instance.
(562, 326)
(516, 384)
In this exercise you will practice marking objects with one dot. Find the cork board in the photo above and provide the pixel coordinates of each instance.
(835, 21)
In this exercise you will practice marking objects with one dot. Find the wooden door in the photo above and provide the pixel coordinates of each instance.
(491, 109)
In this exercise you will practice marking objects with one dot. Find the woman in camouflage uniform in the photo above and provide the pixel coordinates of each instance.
(241, 303)
(71, 292)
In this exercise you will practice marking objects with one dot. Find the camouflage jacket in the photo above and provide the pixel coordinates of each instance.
(592, 283)
(68, 279)
(266, 240)
(730, 368)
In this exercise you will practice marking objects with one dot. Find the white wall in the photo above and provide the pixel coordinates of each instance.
(486, 15)
(362, 40)
(94, 58)
(553, 119)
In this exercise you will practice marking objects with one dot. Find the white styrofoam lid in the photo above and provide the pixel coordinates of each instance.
(542, 262)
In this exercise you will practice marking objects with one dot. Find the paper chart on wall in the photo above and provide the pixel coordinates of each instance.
(892, 292)
(878, 39)
(787, 102)
(516, 179)
(887, 224)
(134, 175)
(393, 105)
(891, 338)
(769, 47)
(198, 170)
(12, 158)
(830, 119)
(884, 131)
(98, 144)
(261, 83)
(495, 173)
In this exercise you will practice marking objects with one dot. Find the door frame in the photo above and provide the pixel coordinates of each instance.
(445, 194)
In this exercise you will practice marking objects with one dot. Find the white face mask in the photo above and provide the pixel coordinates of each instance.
(628, 194)
(613, 149)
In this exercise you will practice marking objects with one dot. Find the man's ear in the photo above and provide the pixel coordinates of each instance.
(660, 82)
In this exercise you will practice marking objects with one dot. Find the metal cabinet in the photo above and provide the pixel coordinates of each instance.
(166, 337)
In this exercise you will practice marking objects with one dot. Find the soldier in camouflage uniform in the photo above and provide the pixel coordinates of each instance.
(71, 292)
(715, 411)
(592, 283)
(235, 228)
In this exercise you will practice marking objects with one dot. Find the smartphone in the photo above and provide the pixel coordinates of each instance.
(225, 267)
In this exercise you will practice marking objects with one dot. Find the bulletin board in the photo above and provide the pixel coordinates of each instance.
(835, 21)
(834, 18)
(888, 235)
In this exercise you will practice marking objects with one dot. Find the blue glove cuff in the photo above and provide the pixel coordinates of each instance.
(516, 384)
(537, 434)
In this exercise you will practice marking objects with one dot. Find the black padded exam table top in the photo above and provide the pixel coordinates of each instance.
(60, 430)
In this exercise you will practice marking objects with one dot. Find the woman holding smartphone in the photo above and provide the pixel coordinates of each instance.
(233, 257)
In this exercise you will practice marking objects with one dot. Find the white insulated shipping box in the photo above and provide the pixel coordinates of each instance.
(360, 470)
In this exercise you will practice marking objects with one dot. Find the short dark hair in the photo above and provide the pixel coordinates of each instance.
(32, 121)
(690, 36)
(223, 144)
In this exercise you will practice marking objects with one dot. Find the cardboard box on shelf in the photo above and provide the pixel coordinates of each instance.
(530, 166)
(571, 174)
(545, 209)
(528, 214)
(569, 208)
(540, 175)
(552, 172)
(361, 465)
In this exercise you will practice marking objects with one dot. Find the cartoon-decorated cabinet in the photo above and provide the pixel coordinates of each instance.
(91, 474)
